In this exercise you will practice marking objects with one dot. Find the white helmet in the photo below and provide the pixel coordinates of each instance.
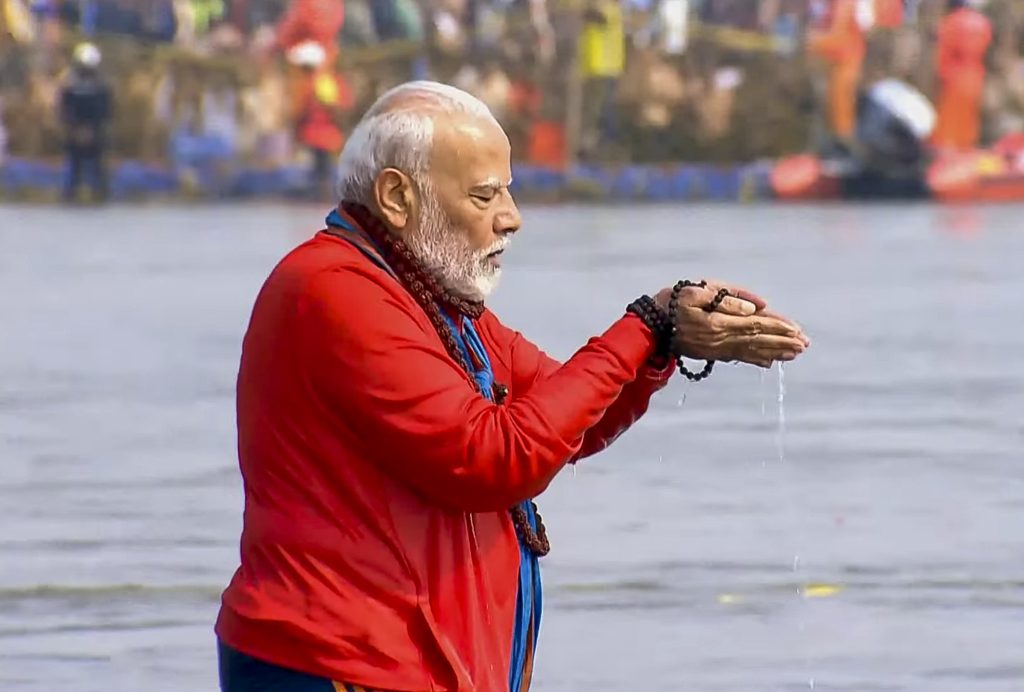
(87, 55)
(906, 104)
(307, 54)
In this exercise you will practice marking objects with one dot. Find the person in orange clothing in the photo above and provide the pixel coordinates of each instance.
(889, 13)
(393, 431)
(964, 37)
(319, 97)
(841, 43)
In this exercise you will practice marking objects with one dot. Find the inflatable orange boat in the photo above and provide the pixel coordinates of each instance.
(991, 175)
(891, 159)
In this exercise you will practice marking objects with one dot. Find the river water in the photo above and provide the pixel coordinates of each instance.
(874, 543)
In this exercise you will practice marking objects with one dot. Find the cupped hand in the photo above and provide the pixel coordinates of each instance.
(740, 329)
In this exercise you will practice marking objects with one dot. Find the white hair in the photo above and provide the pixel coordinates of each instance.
(398, 132)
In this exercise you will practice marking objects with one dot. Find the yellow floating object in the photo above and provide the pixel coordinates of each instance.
(821, 590)
(728, 598)
(326, 89)
(990, 164)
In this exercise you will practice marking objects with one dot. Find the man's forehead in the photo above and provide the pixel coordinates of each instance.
(461, 130)
(473, 149)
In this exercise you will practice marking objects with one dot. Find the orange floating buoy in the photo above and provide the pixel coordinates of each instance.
(1011, 145)
(797, 177)
(955, 176)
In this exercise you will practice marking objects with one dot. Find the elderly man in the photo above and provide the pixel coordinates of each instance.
(393, 432)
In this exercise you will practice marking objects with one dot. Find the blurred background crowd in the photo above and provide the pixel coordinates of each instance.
(270, 83)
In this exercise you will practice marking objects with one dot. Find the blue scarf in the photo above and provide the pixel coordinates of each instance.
(529, 598)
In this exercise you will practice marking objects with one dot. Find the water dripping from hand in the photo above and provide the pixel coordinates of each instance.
(782, 413)
(760, 388)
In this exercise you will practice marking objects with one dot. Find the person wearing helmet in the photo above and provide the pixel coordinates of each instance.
(319, 99)
(85, 109)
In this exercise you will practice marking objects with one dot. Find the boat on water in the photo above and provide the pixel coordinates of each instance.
(890, 159)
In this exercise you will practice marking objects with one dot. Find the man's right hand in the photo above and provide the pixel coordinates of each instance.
(741, 329)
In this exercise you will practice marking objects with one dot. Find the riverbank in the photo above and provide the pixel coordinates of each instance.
(41, 180)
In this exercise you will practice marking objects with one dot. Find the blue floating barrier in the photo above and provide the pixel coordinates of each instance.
(591, 180)
(551, 180)
(530, 179)
(756, 181)
(260, 182)
(685, 183)
(206, 166)
(659, 184)
(523, 178)
(25, 174)
(720, 184)
(134, 178)
(629, 183)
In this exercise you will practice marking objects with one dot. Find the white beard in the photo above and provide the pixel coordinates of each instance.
(443, 250)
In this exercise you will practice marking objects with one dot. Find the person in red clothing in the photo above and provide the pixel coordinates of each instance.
(964, 37)
(393, 432)
(319, 98)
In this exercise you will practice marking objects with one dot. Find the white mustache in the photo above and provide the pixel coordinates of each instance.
(496, 247)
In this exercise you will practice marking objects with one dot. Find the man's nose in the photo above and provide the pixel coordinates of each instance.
(507, 220)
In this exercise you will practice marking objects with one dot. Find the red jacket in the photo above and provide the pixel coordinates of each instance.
(377, 547)
(315, 120)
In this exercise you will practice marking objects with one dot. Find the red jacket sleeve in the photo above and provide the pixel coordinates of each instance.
(627, 409)
(529, 364)
(377, 364)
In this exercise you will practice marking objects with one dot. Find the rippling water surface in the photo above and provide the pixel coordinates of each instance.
(884, 550)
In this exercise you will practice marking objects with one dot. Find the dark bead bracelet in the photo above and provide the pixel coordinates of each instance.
(673, 307)
(722, 294)
(660, 324)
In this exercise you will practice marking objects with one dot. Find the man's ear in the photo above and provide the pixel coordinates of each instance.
(395, 195)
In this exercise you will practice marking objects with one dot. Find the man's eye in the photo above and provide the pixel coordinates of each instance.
(483, 196)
